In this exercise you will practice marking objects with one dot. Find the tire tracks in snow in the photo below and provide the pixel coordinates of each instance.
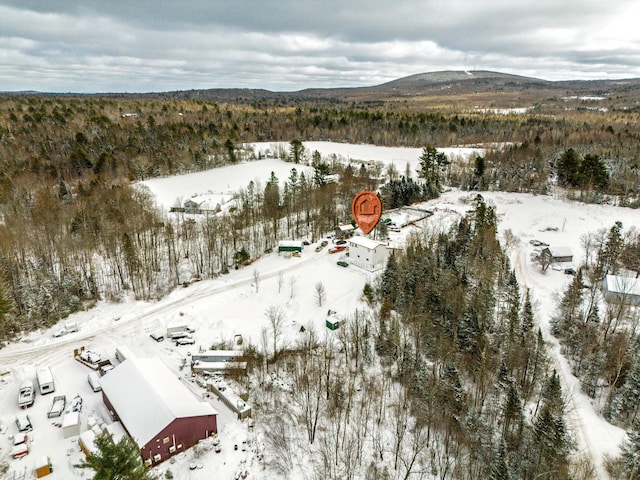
(588, 434)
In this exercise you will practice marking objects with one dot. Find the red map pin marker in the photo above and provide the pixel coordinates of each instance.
(366, 209)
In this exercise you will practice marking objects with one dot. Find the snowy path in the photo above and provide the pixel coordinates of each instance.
(594, 436)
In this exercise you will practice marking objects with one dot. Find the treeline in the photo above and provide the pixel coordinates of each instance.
(444, 376)
(63, 248)
(65, 138)
(73, 230)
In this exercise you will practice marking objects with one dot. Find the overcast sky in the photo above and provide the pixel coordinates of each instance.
(287, 45)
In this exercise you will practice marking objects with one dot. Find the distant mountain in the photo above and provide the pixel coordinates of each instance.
(458, 88)
(443, 89)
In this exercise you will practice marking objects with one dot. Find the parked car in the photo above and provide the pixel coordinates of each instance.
(341, 242)
(185, 341)
(306, 242)
(59, 332)
(342, 263)
(319, 247)
(295, 254)
(23, 422)
(324, 243)
(26, 394)
(20, 445)
(338, 248)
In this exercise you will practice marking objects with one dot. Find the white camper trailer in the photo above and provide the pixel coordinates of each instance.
(45, 380)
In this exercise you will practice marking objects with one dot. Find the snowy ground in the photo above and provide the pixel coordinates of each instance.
(222, 308)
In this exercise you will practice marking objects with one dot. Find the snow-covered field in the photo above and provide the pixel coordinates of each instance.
(233, 304)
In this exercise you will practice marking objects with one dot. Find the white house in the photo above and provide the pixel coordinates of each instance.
(367, 253)
(619, 289)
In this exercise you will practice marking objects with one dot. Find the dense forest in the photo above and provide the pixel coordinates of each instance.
(466, 374)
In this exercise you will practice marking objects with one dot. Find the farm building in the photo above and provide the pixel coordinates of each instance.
(367, 253)
(558, 254)
(290, 246)
(619, 289)
(156, 409)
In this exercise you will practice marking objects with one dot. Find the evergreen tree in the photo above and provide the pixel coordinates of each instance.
(568, 168)
(631, 452)
(593, 172)
(527, 314)
(500, 469)
(551, 442)
(116, 461)
(431, 164)
(296, 150)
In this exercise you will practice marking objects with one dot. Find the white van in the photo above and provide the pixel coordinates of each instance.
(94, 381)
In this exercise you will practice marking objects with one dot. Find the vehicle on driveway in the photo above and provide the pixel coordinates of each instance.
(26, 394)
(185, 341)
(341, 242)
(338, 248)
(342, 263)
(23, 422)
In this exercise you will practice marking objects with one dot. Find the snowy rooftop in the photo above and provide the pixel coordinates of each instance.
(625, 285)
(366, 242)
(147, 396)
(561, 251)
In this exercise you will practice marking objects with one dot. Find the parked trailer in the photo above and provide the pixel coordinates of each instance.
(91, 359)
(45, 380)
(94, 381)
(57, 408)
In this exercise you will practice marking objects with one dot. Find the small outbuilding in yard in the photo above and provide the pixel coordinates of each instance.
(558, 254)
(290, 246)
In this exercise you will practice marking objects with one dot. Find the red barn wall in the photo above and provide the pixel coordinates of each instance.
(186, 431)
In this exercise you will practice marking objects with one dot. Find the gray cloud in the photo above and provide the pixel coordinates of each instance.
(117, 45)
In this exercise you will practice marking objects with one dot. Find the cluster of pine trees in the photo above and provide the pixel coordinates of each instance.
(444, 376)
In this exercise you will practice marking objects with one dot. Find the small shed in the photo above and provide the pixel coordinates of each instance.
(290, 246)
(344, 231)
(71, 424)
(43, 467)
(558, 254)
(332, 323)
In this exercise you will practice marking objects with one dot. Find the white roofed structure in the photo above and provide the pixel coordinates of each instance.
(367, 253)
(154, 405)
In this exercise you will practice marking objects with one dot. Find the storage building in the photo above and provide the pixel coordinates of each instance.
(156, 409)
(290, 246)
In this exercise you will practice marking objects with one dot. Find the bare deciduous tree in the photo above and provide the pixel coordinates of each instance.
(276, 317)
(321, 293)
(256, 279)
(280, 280)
